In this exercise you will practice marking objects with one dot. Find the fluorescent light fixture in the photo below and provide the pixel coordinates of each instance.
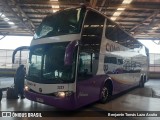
(121, 9)
(55, 6)
(155, 28)
(126, 1)
(3, 16)
(55, 11)
(11, 23)
(111, 25)
(117, 13)
(6, 19)
(113, 18)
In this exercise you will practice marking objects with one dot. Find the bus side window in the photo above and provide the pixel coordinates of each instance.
(120, 61)
(93, 29)
(85, 65)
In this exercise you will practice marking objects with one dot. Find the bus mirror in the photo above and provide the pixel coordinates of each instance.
(69, 52)
(22, 48)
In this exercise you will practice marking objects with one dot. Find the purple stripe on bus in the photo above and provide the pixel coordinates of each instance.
(69, 52)
(119, 87)
(88, 91)
(67, 103)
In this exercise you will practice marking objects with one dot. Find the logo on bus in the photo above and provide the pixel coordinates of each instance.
(40, 89)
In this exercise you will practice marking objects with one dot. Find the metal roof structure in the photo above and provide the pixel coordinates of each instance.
(139, 17)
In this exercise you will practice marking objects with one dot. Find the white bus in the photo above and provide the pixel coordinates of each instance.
(67, 58)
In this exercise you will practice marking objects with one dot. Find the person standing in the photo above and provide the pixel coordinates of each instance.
(1, 94)
(19, 81)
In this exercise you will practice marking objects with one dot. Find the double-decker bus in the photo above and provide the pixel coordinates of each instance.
(67, 60)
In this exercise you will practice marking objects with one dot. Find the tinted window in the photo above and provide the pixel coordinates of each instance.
(116, 34)
(88, 65)
(85, 63)
(120, 61)
(61, 23)
(92, 30)
(90, 40)
(47, 64)
(111, 31)
(110, 60)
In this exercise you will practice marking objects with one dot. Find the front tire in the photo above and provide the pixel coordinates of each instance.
(105, 94)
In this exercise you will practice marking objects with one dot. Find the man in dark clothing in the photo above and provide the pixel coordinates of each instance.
(19, 80)
(0, 94)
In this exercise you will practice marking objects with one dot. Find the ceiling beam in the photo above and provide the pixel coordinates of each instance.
(103, 3)
(3, 35)
(6, 6)
(153, 18)
(149, 36)
(41, 8)
(136, 26)
(133, 6)
(48, 5)
(24, 14)
(45, 2)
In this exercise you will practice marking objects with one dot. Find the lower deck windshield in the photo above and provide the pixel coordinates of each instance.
(47, 64)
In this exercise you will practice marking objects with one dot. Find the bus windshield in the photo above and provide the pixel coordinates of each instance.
(61, 23)
(47, 64)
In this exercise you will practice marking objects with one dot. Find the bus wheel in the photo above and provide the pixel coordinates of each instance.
(105, 94)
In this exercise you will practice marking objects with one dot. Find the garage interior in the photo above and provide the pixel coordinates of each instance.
(141, 18)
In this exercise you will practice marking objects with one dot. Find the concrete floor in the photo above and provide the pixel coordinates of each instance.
(138, 99)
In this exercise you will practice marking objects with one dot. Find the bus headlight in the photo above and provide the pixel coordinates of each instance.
(63, 94)
(26, 88)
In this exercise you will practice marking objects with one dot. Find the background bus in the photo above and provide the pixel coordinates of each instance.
(67, 58)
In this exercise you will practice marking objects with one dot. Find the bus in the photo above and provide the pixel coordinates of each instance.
(67, 55)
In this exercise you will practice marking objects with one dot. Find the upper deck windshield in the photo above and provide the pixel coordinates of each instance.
(61, 23)
(47, 64)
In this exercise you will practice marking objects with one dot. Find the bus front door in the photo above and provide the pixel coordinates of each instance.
(87, 81)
